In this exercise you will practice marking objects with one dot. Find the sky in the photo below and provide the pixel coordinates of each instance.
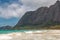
(11, 11)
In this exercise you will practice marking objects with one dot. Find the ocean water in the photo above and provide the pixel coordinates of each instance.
(10, 31)
(13, 31)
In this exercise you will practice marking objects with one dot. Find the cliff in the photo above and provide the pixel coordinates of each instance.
(43, 16)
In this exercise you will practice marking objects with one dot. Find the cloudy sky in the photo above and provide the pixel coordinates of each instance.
(12, 10)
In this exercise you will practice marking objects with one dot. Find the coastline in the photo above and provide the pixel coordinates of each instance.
(32, 35)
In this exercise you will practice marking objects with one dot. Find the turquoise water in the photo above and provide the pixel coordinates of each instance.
(10, 31)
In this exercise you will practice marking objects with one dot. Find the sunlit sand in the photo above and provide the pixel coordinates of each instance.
(32, 35)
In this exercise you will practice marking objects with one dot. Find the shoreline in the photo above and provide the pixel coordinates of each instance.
(32, 35)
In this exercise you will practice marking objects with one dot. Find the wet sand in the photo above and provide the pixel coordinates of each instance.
(32, 35)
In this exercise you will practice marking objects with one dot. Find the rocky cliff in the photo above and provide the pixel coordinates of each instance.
(42, 16)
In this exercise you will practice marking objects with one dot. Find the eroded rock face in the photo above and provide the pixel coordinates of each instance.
(41, 16)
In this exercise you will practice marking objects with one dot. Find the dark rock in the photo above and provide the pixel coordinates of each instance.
(5, 28)
(41, 16)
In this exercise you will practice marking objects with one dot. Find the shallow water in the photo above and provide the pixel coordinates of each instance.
(10, 31)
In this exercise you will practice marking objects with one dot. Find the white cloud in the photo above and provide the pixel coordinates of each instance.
(34, 4)
(13, 10)
(16, 10)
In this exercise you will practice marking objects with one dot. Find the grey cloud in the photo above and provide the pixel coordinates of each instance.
(34, 4)
(17, 10)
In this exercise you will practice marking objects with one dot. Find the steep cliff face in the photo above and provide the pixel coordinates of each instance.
(41, 16)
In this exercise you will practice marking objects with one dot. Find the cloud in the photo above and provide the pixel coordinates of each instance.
(18, 9)
(34, 4)
(13, 10)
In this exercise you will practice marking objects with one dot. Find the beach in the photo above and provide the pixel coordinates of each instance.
(32, 35)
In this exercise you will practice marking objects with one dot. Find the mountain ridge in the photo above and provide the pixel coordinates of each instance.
(43, 16)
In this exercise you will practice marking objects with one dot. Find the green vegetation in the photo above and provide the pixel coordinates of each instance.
(37, 27)
(48, 25)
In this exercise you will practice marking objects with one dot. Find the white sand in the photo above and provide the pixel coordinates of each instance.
(30, 35)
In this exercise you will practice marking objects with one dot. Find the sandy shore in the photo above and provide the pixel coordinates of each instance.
(32, 35)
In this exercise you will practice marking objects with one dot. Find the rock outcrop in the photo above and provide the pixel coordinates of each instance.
(42, 16)
(6, 28)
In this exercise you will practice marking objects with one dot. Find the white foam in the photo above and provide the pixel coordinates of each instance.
(29, 32)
